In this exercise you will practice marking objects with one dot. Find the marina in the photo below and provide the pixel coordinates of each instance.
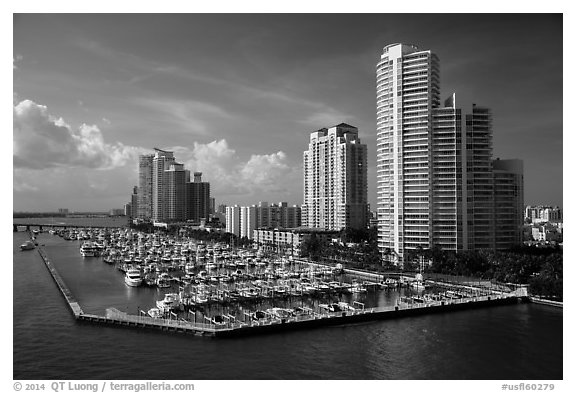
(374, 349)
(266, 294)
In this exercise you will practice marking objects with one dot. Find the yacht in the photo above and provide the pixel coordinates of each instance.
(155, 313)
(418, 285)
(133, 278)
(90, 249)
(163, 281)
(170, 302)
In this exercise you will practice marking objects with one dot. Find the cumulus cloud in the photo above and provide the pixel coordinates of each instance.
(44, 141)
(266, 171)
(228, 174)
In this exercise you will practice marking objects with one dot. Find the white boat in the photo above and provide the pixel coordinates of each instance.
(345, 306)
(163, 281)
(358, 288)
(155, 313)
(170, 302)
(133, 278)
(27, 245)
(90, 249)
(418, 285)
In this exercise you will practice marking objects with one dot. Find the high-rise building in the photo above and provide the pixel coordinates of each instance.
(335, 180)
(175, 192)
(508, 202)
(212, 206)
(161, 162)
(408, 88)
(198, 199)
(435, 181)
(233, 219)
(144, 209)
(290, 216)
(128, 209)
(480, 179)
(166, 193)
(248, 221)
(134, 203)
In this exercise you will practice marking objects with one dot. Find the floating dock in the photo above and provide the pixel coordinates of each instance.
(235, 328)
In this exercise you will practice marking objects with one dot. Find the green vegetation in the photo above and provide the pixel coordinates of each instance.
(541, 268)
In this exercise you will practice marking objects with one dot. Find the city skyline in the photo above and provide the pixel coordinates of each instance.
(238, 101)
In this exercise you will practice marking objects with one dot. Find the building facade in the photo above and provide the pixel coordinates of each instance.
(262, 215)
(248, 221)
(175, 193)
(134, 203)
(538, 214)
(288, 241)
(198, 199)
(145, 186)
(435, 178)
(233, 219)
(335, 180)
(508, 202)
(408, 89)
(165, 193)
(160, 163)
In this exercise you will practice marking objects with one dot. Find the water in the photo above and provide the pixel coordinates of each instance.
(521, 342)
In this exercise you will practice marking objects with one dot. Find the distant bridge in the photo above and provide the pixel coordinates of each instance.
(59, 226)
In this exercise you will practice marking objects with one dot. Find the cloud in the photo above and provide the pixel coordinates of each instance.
(266, 171)
(188, 114)
(44, 141)
(228, 174)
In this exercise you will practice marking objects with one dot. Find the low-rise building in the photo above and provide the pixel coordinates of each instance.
(289, 240)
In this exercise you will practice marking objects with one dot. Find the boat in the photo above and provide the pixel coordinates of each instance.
(163, 281)
(133, 278)
(345, 306)
(155, 313)
(27, 245)
(170, 302)
(334, 307)
(90, 249)
(281, 313)
(358, 288)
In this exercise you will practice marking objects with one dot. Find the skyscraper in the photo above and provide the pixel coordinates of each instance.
(335, 179)
(435, 178)
(233, 219)
(248, 221)
(175, 191)
(134, 203)
(408, 88)
(144, 209)
(508, 202)
(198, 199)
(160, 163)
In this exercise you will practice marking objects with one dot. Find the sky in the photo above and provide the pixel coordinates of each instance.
(236, 96)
